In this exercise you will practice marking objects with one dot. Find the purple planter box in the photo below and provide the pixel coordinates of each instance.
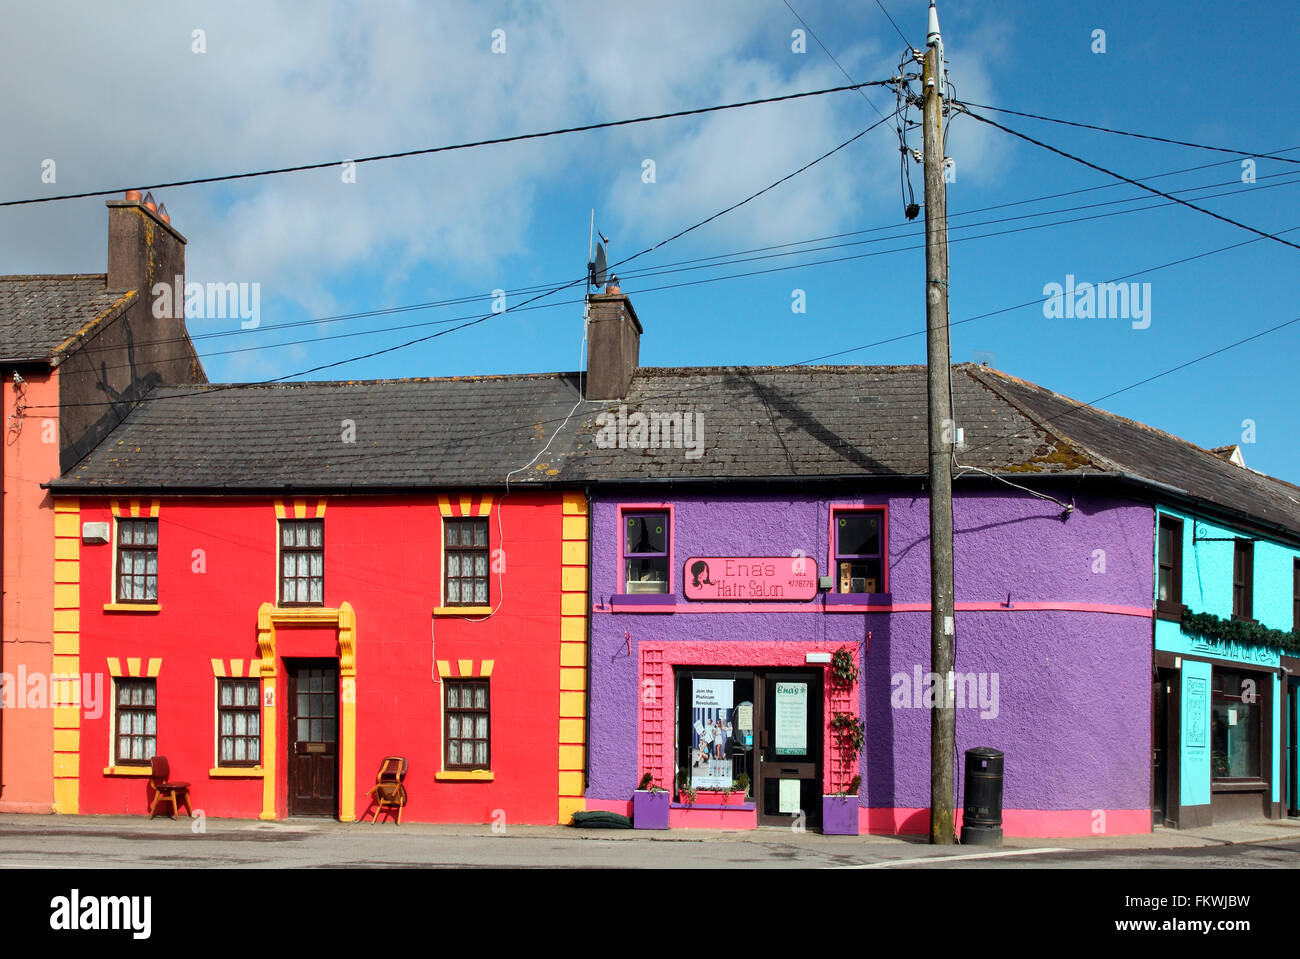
(650, 809)
(839, 815)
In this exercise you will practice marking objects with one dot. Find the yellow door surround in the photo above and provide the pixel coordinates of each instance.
(342, 619)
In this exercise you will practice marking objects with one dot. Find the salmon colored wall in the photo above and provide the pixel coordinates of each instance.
(383, 557)
(31, 457)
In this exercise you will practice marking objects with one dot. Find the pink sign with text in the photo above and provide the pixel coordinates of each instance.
(750, 578)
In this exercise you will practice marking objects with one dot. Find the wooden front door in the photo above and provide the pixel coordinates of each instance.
(789, 748)
(1159, 747)
(313, 737)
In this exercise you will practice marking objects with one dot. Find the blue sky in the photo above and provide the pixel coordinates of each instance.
(272, 88)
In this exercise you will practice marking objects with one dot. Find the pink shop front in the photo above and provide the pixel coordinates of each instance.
(743, 731)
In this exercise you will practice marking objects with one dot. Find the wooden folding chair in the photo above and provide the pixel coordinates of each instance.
(178, 794)
(389, 791)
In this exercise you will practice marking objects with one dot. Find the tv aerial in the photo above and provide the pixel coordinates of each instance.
(597, 266)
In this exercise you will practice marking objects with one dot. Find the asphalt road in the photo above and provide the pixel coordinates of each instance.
(122, 843)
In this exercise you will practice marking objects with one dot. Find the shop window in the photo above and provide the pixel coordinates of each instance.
(1243, 579)
(1236, 724)
(466, 732)
(645, 552)
(136, 717)
(302, 562)
(137, 560)
(1169, 568)
(859, 547)
(239, 722)
(465, 557)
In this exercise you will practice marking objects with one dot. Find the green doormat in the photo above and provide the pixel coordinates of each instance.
(599, 819)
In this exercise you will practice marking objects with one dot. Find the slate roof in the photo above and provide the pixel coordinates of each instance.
(777, 422)
(1154, 455)
(40, 315)
(784, 423)
(466, 431)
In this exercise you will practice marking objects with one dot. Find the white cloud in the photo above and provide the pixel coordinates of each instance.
(119, 98)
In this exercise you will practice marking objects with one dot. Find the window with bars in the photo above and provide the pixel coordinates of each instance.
(239, 722)
(465, 551)
(136, 716)
(467, 729)
(137, 560)
(302, 562)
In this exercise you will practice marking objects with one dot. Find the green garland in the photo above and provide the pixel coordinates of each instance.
(1241, 632)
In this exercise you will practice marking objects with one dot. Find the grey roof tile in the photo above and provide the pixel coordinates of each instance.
(40, 314)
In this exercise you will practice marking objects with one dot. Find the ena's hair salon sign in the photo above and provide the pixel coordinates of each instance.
(749, 578)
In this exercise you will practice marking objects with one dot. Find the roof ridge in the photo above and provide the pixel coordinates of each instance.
(1050, 428)
(1129, 422)
(15, 277)
(390, 381)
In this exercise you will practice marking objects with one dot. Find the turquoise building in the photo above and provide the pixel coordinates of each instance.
(1225, 670)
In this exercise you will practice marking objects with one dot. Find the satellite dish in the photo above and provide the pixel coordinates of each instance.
(596, 269)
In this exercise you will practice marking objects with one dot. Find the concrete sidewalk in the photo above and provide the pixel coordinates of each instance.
(1251, 831)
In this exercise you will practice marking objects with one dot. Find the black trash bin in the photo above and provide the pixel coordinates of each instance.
(981, 823)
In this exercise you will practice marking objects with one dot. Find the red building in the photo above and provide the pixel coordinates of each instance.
(282, 585)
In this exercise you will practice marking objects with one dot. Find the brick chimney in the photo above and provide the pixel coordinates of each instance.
(613, 345)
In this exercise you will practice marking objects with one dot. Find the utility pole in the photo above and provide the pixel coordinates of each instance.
(943, 718)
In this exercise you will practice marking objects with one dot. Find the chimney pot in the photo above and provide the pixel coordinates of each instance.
(149, 203)
(612, 287)
(162, 213)
(132, 196)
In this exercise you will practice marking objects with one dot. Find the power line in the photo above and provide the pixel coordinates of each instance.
(812, 33)
(901, 36)
(1125, 133)
(551, 292)
(1037, 301)
(664, 268)
(450, 147)
(1034, 302)
(669, 269)
(1081, 407)
(1120, 176)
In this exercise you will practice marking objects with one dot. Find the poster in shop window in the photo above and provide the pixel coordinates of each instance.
(711, 732)
(791, 719)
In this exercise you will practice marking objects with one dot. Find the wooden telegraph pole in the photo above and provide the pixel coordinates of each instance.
(943, 718)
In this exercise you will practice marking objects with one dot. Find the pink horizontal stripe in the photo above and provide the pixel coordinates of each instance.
(1027, 823)
(964, 607)
(905, 821)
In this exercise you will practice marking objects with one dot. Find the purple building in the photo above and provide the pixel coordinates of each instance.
(760, 599)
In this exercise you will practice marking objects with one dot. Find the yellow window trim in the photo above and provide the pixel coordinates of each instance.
(237, 772)
(144, 771)
(132, 608)
(465, 775)
(462, 611)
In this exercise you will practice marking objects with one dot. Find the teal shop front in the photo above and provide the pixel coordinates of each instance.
(1224, 673)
